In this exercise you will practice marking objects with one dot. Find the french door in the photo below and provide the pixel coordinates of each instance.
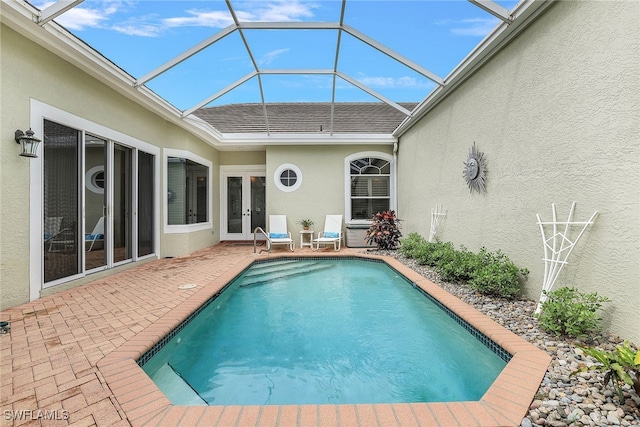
(243, 202)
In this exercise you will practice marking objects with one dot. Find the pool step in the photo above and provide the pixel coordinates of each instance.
(266, 277)
(267, 267)
(177, 389)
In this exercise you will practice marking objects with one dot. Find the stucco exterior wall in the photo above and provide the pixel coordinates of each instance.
(28, 71)
(557, 115)
(322, 191)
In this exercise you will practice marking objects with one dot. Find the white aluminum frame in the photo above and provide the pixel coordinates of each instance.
(46, 32)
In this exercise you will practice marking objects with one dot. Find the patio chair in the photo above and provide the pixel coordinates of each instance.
(55, 236)
(332, 234)
(97, 235)
(278, 233)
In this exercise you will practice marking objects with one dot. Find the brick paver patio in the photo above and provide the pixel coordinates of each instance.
(70, 357)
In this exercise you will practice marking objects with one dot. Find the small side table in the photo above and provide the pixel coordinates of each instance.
(306, 241)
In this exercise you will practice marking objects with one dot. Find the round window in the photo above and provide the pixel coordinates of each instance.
(95, 179)
(288, 177)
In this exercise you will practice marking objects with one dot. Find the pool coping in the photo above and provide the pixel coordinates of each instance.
(505, 403)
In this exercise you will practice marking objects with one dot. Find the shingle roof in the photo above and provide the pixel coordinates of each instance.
(305, 117)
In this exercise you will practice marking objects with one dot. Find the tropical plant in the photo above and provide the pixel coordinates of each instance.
(306, 222)
(568, 311)
(384, 230)
(621, 366)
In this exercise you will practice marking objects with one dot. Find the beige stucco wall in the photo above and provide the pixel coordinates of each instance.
(322, 191)
(242, 157)
(27, 71)
(557, 115)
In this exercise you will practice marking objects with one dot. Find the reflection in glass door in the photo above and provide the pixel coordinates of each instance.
(95, 202)
(258, 205)
(245, 204)
(122, 203)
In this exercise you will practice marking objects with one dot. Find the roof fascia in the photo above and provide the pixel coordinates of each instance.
(234, 140)
(523, 14)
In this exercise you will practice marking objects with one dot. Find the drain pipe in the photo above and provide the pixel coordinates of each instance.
(395, 176)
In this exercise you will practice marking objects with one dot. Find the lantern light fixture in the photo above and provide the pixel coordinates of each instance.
(28, 142)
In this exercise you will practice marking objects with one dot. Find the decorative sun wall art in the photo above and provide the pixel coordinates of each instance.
(475, 170)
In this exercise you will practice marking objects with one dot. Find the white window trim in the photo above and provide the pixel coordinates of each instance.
(186, 228)
(278, 172)
(39, 112)
(347, 183)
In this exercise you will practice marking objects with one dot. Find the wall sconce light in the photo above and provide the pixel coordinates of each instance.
(28, 142)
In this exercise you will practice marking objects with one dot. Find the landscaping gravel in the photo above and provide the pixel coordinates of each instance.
(562, 399)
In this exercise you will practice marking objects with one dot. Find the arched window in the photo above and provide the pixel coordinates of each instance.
(370, 182)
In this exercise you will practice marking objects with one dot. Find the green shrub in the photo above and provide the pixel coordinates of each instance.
(490, 273)
(432, 252)
(497, 275)
(457, 266)
(568, 311)
(410, 244)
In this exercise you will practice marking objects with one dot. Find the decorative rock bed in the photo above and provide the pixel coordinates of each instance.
(562, 399)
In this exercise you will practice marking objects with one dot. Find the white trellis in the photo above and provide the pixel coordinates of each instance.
(436, 216)
(558, 246)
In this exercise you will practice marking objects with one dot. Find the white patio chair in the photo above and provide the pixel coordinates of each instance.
(278, 233)
(332, 234)
(97, 235)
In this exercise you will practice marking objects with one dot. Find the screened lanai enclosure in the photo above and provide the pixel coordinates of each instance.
(227, 67)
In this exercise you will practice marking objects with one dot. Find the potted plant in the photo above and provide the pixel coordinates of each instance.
(305, 223)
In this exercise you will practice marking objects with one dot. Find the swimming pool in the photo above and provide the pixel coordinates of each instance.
(323, 331)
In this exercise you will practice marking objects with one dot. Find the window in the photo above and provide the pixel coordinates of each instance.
(288, 177)
(186, 197)
(370, 185)
(188, 191)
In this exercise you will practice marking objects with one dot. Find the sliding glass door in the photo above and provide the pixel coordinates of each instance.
(98, 204)
(61, 202)
(122, 203)
(95, 202)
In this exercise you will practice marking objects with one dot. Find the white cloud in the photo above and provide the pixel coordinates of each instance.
(78, 18)
(198, 18)
(269, 57)
(139, 30)
(284, 10)
(476, 27)
(404, 82)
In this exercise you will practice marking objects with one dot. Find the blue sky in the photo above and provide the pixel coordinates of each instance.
(139, 36)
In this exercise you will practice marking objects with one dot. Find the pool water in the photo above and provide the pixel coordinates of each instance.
(322, 332)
